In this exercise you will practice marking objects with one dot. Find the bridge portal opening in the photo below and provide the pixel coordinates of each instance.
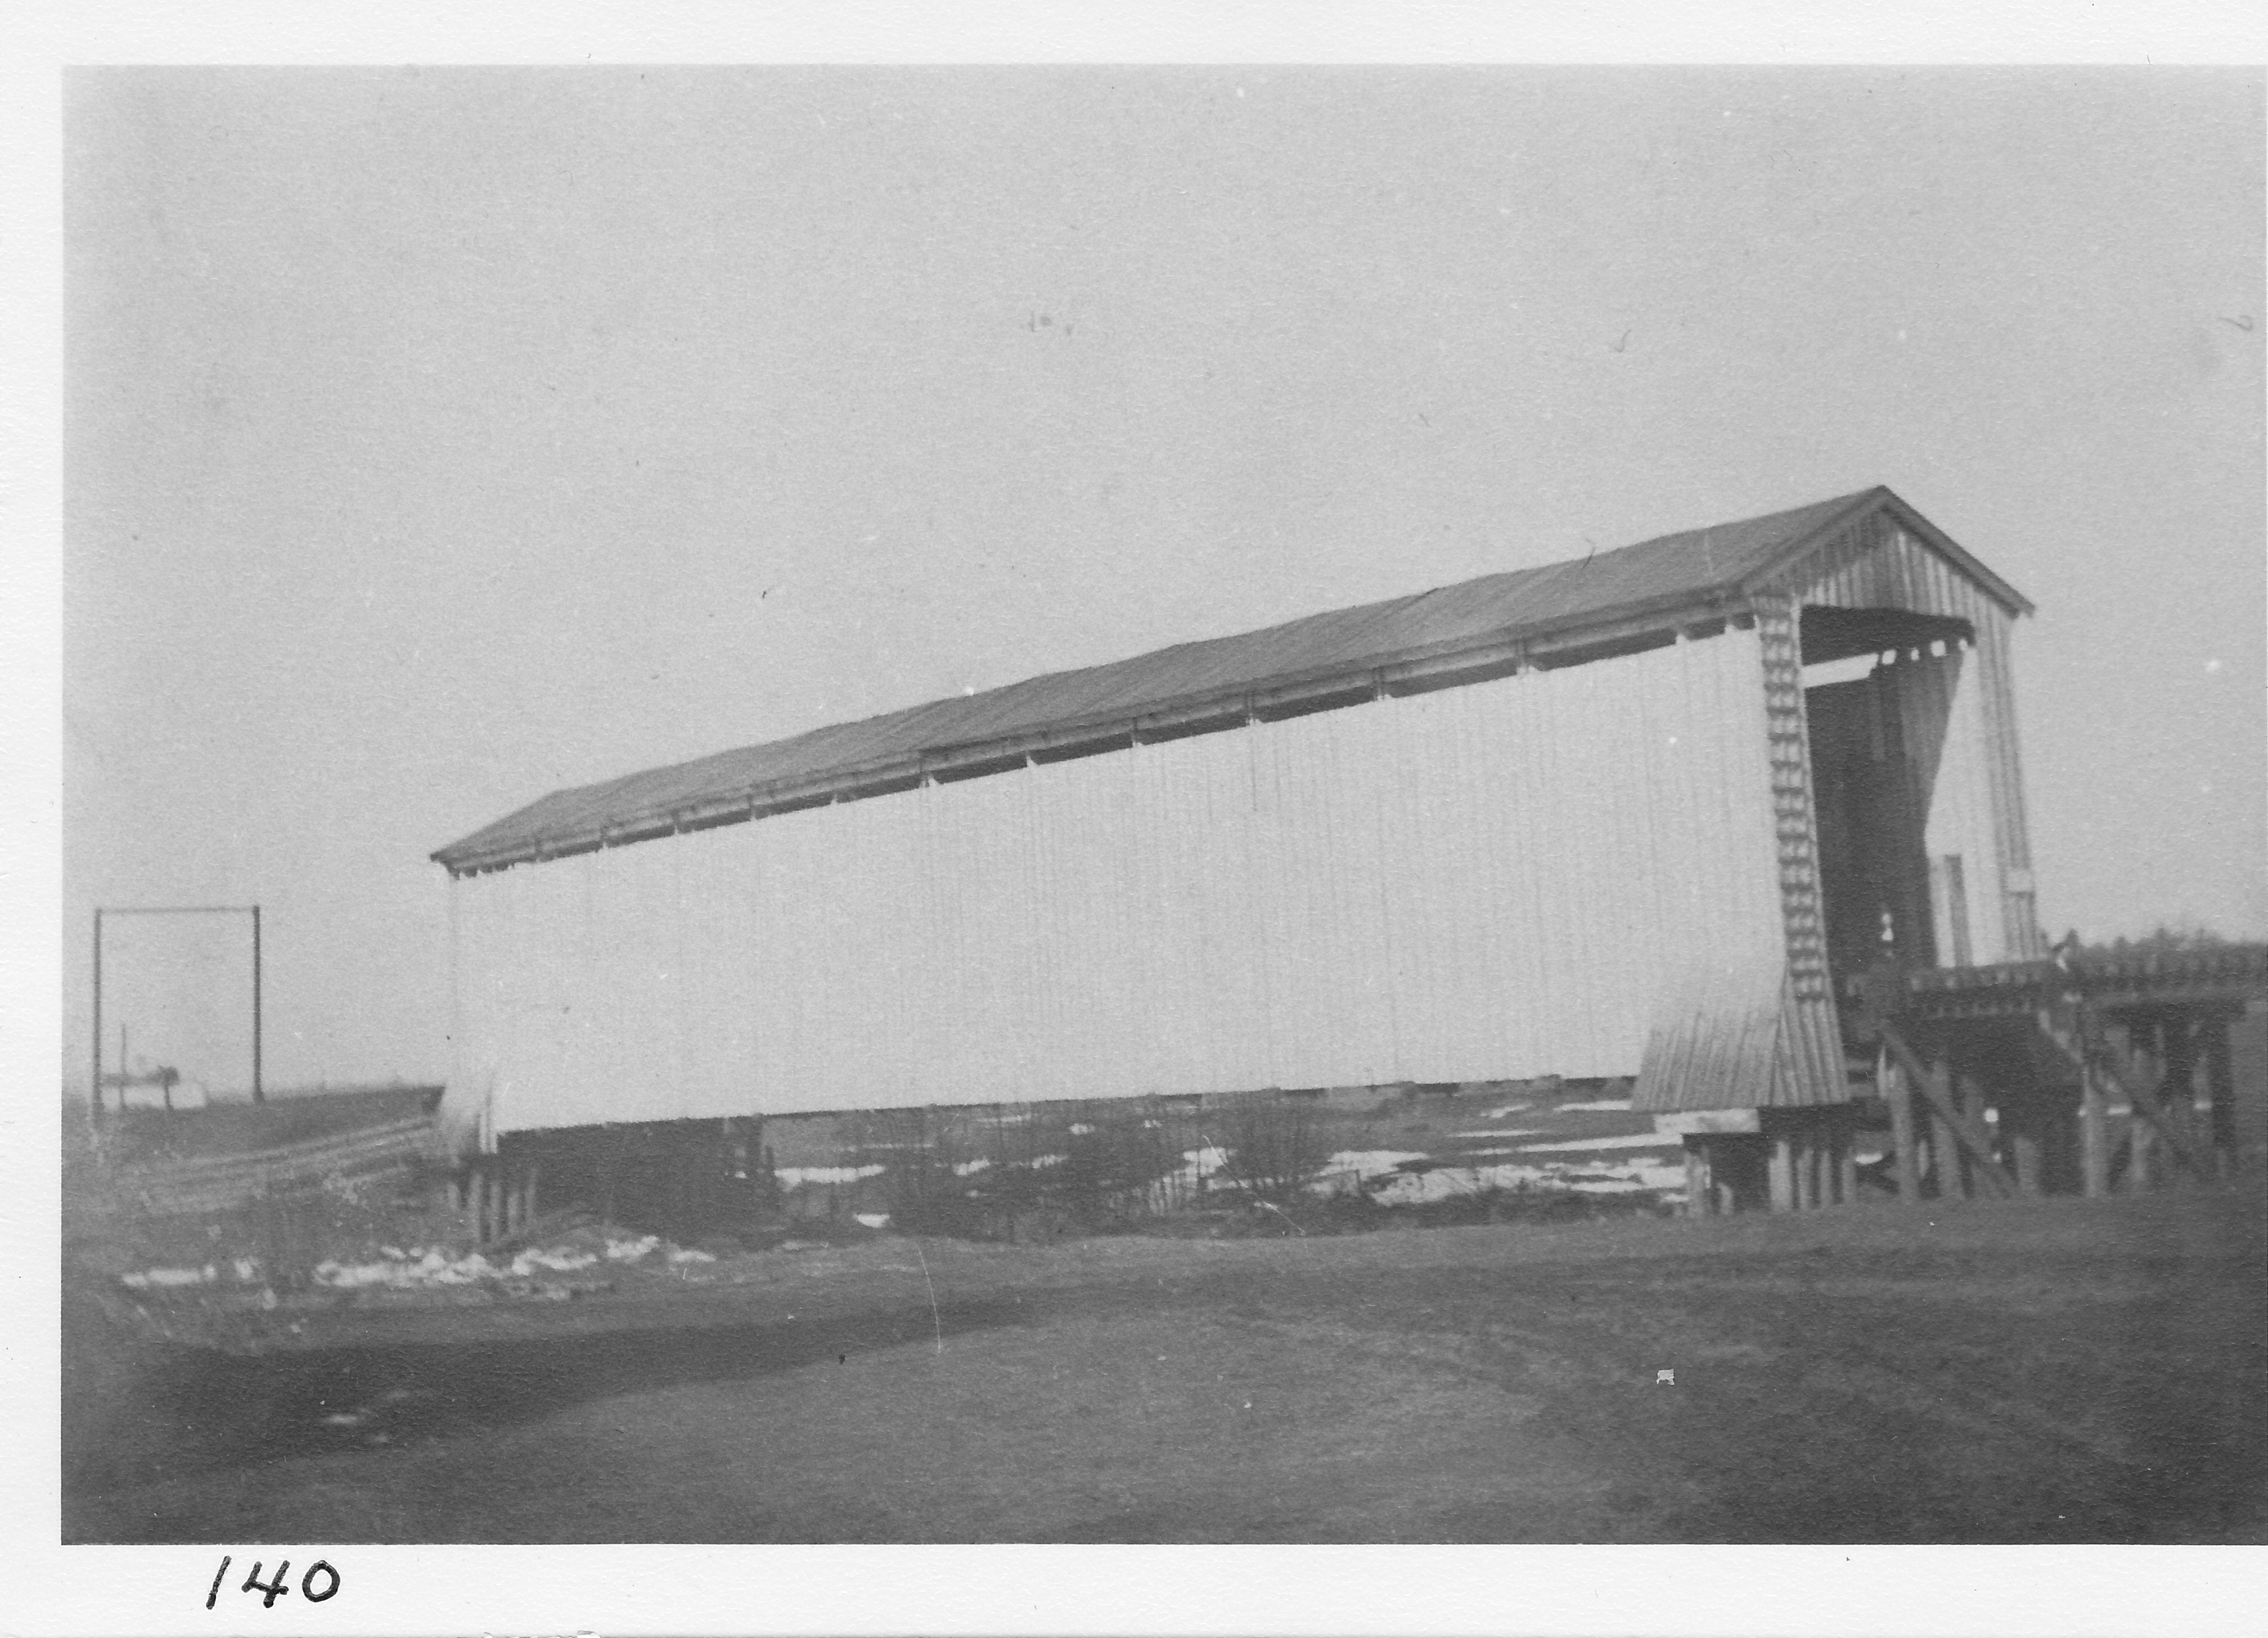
(1879, 690)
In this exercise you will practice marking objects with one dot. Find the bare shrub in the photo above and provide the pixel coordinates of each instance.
(1275, 1145)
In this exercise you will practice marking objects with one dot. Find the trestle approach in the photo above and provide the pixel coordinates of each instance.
(2089, 1074)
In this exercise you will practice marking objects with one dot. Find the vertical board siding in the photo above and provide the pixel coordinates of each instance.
(1949, 754)
(1877, 564)
(1497, 881)
(1746, 1025)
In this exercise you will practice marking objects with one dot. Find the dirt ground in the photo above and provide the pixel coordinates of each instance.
(2028, 1371)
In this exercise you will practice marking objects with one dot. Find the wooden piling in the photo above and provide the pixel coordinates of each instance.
(2024, 1150)
(2094, 1134)
(1700, 1199)
(1946, 1169)
(2141, 1151)
(1892, 1079)
(1846, 1165)
(1975, 1106)
(1953, 1127)
(2177, 1091)
(1781, 1172)
(2221, 1088)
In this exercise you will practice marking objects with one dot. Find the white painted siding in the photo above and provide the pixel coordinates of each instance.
(1961, 820)
(1502, 880)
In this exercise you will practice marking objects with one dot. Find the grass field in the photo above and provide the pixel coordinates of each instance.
(2056, 1370)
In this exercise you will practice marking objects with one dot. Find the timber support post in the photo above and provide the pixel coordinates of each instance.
(2024, 1151)
(1700, 1196)
(1945, 1168)
(2093, 1132)
(2178, 1057)
(1891, 1076)
(2141, 1034)
(1950, 1122)
(2222, 1088)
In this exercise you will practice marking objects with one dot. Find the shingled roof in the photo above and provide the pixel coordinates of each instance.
(1297, 665)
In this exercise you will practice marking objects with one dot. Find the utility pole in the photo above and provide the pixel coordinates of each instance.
(259, 1094)
(94, 1088)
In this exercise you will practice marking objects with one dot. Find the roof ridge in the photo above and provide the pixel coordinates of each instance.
(1491, 607)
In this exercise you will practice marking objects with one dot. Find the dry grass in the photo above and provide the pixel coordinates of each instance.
(2038, 1371)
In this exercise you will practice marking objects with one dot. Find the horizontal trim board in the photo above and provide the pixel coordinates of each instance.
(1626, 638)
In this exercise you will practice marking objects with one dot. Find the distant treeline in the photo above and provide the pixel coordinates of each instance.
(2163, 937)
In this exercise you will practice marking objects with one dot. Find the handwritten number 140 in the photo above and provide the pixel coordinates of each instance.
(279, 1587)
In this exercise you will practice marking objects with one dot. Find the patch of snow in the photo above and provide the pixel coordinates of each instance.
(969, 1169)
(1197, 1166)
(1659, 1176)
(561, 1262)
(631, 1250)
(1081, 1129)
(1442, 1183)
(167, 1277)
(433, 1269)
(1367, 1162)
(872, 1219)
(1631, 1140)
(792, 1176)
(686, 1254)
(1502, 1109)
(1602, 1106)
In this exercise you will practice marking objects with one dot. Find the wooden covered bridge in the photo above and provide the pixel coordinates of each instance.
(1675, 811)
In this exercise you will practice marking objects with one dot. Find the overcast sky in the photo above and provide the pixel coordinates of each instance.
(437, 438)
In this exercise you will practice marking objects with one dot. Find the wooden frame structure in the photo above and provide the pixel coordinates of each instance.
(2046, 1047)
(1560, 821)
(2091, 1074)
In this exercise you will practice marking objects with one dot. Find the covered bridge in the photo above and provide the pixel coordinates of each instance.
(1633, 813)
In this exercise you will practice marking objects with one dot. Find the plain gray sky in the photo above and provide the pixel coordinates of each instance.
(438, 438)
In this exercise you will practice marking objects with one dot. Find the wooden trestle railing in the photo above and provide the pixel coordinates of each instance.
(2135, 1025)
